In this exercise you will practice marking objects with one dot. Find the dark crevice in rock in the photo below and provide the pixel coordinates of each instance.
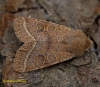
(95, 46)
(23, 9)
(42, 7)
(96, 20)
(31, 8)
(96, 25)
(1, 83)
(97, 35)
(2, 58)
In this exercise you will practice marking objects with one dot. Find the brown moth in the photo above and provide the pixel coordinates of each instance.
(46, 43)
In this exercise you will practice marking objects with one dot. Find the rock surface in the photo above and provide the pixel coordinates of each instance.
(77, 14)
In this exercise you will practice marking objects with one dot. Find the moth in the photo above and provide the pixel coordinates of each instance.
(46, 43)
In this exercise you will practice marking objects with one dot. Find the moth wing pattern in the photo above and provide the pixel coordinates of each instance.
(21, 31)
(22, 55)
(46, 43)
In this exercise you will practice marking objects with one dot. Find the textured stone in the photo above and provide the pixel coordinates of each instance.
(83, 60)
(10, 74)
(13, 5)
(4, 22)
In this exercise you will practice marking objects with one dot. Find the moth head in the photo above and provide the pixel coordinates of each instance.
(76, 42)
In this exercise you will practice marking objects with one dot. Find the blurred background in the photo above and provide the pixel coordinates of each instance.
(76, 14)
